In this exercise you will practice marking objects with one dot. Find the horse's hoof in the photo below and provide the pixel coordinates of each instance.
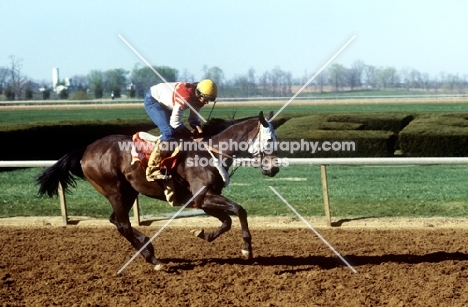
(247, 254)
(158, 267)
(199, 233)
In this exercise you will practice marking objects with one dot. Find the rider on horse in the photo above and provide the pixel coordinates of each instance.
(165, 103)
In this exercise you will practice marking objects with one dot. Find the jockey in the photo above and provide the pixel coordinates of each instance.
(165, 103)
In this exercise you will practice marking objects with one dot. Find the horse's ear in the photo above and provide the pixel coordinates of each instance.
(270, 115)
(263, 120)
(233, 115)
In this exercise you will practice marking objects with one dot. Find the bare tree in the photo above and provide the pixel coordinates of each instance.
(287, 85)
(336, 73)
(16, 81)
(275, 78)
(251, 80)
(322, 79)
(264, 81)
(425, 81)
(242, 85)
(412, 78)
(187, 77)
(388, 77)
(358, 66)
(452, 83)
(280, 82)
(370, 73)
(415, 77)
(352, 78)
(4, 72)
(80, 81)
(214, 73)
(465, 82)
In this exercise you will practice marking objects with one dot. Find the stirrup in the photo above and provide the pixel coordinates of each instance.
(166, 175)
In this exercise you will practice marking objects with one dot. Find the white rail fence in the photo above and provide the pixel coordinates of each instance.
(335, 97)
(323, 162)
(61, 194)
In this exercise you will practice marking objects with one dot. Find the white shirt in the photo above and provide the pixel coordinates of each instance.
(175, 96)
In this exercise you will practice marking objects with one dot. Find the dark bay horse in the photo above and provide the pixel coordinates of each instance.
(108, 168)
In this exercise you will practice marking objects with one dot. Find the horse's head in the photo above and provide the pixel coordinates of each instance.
(263, 146)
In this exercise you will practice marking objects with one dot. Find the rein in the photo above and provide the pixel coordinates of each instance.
(209, 148)
(214, 103)
(212, 149)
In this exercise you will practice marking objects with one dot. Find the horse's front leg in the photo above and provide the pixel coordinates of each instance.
(226, 223)
(136, 238)
(217, 205)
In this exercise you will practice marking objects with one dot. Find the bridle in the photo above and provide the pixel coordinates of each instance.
(259, 153)
(261, 143)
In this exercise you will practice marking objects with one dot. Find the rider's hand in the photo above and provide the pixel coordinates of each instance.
(196, 135)
(199, 129)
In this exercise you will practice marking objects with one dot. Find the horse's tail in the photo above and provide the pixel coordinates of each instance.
(63, 172)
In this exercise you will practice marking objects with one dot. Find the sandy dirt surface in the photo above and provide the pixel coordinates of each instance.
(404, 262)
(254, 222)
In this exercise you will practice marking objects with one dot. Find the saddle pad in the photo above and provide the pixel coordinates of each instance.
(141, 149)
(143, 145)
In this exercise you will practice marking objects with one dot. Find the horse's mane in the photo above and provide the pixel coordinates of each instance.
(216, 125)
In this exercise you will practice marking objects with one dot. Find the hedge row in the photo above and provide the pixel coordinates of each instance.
(50, 142)
(444, 135)
(336, 135)
(394, 122)
(332, 135)
(344, 143)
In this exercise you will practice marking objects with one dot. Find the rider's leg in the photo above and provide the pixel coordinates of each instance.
(163, 149)
(160, 116)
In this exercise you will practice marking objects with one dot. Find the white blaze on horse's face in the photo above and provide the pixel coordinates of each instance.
(264, 142)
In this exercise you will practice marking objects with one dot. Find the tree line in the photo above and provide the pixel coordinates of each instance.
(273, 83)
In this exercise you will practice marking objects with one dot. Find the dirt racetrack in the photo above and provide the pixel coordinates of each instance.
(77, 266)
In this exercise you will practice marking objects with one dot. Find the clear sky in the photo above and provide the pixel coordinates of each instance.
(297, 36)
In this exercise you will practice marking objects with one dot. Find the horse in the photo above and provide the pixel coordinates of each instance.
(108, 168)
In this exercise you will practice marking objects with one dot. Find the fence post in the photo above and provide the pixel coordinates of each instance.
(63, 205)
(136, 211)
(326, 199)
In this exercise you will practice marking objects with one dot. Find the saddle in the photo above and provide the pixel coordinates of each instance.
(143, 145)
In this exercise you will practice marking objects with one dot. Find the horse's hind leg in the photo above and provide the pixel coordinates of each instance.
(217, 203)
(103, 165)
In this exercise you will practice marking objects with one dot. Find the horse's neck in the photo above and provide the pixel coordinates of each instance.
(235, 134)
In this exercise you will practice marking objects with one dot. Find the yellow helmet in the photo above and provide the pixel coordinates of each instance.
(208, 89)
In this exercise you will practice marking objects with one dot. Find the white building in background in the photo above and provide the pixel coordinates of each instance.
(55, 78)
(66, 84)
